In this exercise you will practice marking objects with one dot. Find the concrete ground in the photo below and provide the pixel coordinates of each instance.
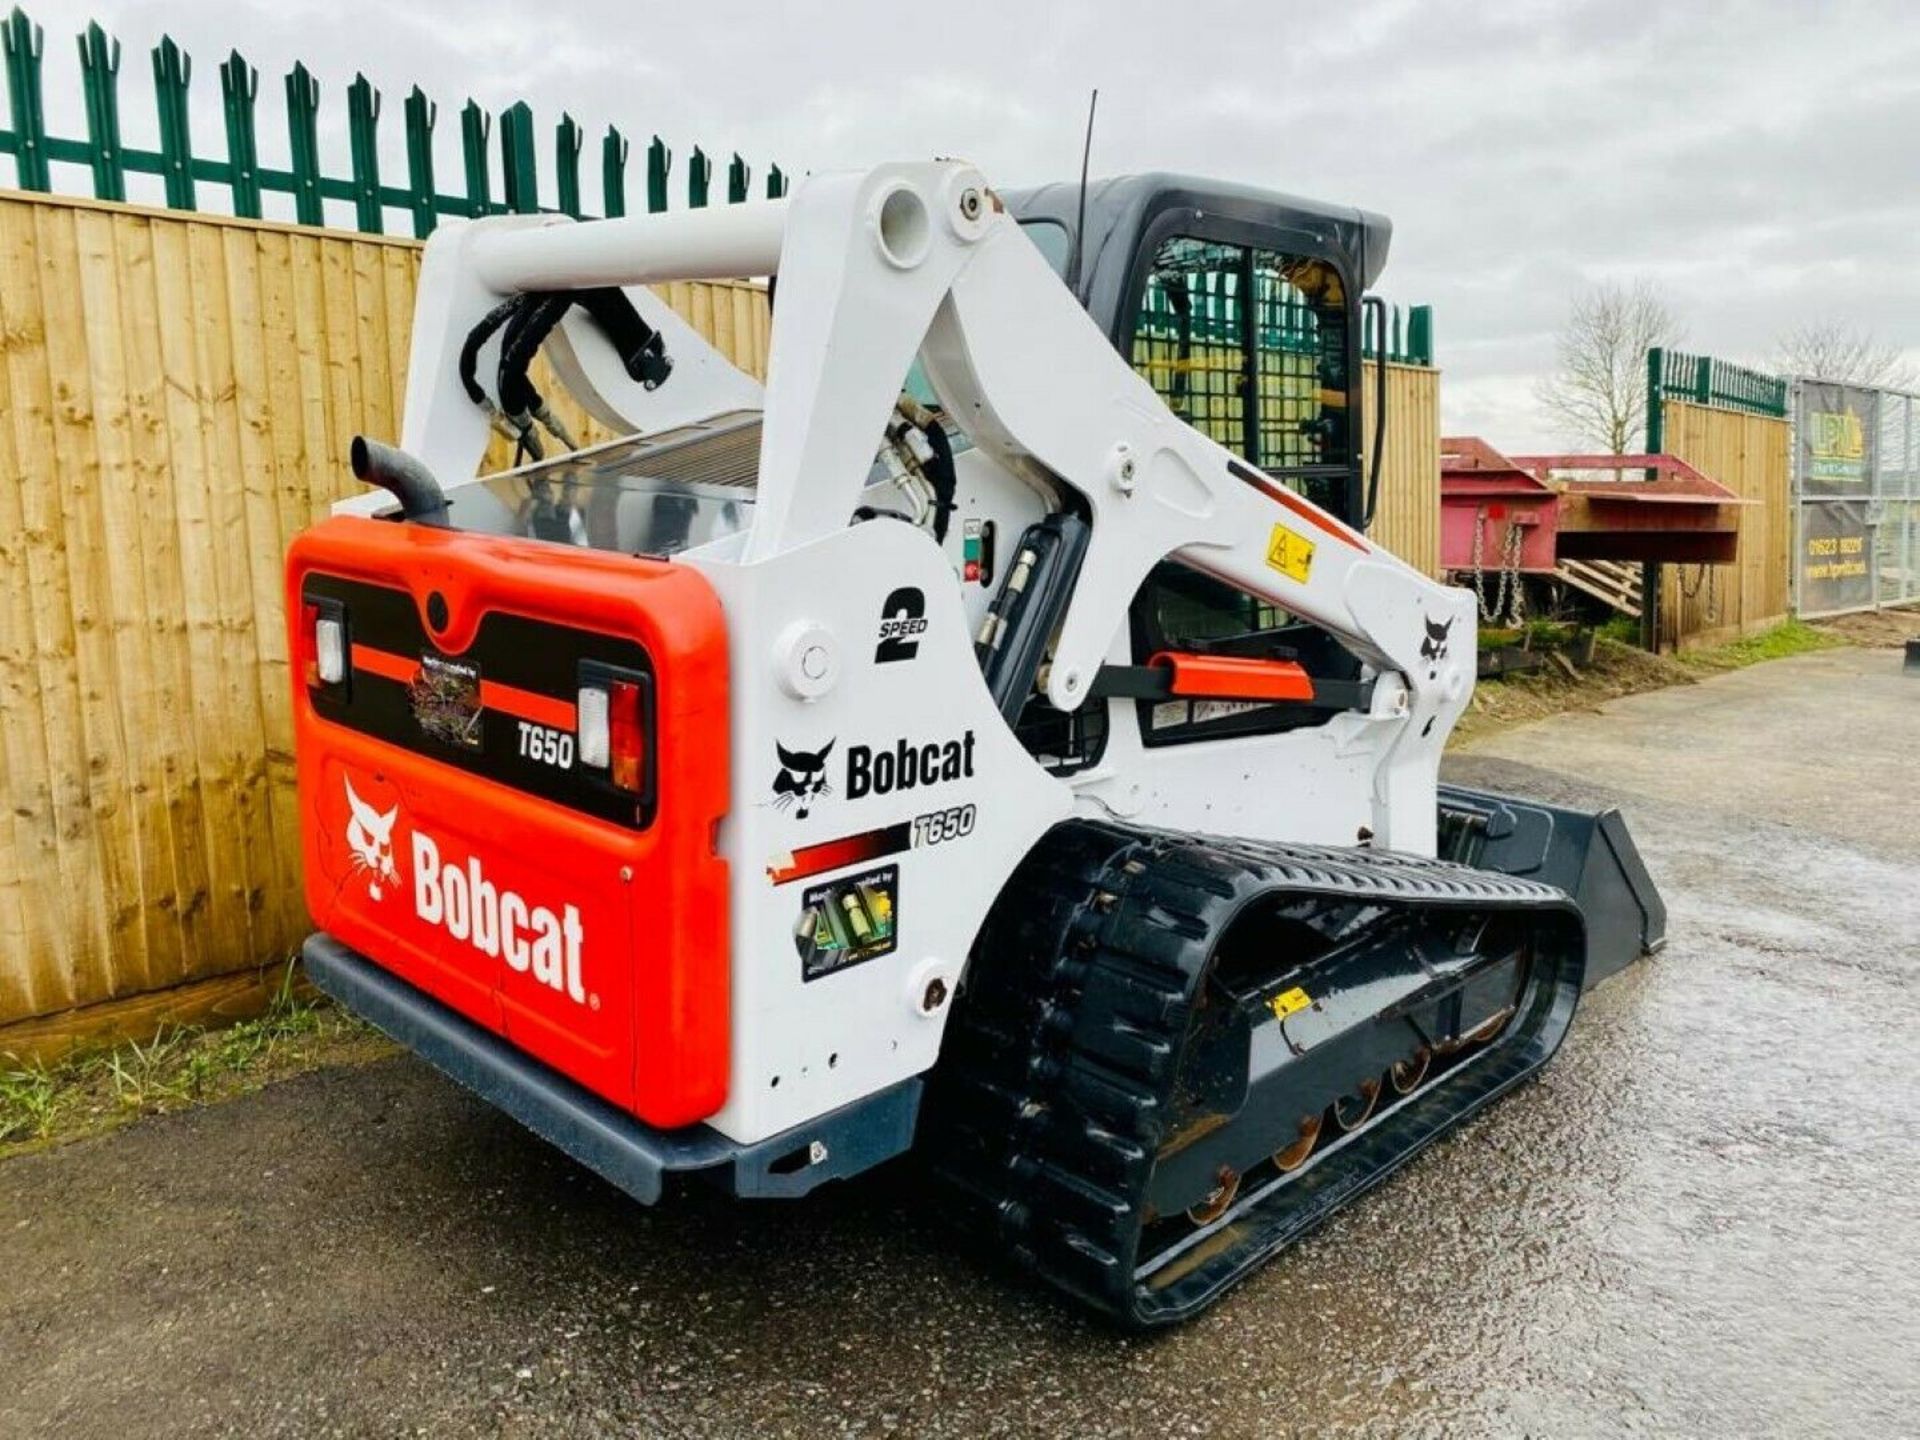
(1701, 1221)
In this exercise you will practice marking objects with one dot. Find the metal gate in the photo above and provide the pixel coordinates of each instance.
(1856, 489)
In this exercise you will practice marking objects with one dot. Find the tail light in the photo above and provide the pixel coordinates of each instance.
(612, 736)
(325, 628)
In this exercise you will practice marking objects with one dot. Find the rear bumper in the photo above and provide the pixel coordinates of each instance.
(608, 1141)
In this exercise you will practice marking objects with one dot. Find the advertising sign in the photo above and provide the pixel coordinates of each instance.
(1838, 425)
(1836, 548)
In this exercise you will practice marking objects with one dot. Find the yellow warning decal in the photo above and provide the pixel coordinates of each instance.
(1288, 1001)
(1290, 553)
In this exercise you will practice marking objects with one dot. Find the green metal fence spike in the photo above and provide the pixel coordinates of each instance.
(239, 88)
(23, 42)
(566, 165)
(99, 78)
(172, 71)
(776, 182)
(519, 180)
(613, 173)
(303, 139)
(699, 177)
(421, 113)
(363, 137)
(659, 162)
(1420, 335)
(475, 128)
(739, 178)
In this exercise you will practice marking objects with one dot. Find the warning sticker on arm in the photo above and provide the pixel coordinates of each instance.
(1291, 553)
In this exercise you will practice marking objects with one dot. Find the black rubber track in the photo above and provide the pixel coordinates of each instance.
(1053, 1092)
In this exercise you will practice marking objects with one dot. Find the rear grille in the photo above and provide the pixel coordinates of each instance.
(722, 451)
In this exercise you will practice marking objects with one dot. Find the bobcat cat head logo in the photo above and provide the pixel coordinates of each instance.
(802, 778)
(370, 837)
(1433, 649)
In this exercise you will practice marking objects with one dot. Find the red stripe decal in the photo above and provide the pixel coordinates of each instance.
(848, 850)
(508, 699)
(1293, 502)
(385, 664)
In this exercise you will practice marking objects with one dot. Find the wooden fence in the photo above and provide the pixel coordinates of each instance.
(176, 397)
(1750, 454)
(1408, 520)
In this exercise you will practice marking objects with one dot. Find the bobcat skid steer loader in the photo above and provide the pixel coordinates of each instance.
(1035, 767)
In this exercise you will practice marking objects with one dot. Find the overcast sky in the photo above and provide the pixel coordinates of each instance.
(1760, 160)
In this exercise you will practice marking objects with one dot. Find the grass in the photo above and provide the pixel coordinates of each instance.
(1795, 637)
(89, 1093)
(1618, 668)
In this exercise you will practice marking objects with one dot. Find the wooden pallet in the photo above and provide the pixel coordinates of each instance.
(1612, 582)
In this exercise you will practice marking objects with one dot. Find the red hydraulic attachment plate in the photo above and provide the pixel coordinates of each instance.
(1233, 677)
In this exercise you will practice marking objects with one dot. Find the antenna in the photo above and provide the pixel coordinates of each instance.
(1080, 219)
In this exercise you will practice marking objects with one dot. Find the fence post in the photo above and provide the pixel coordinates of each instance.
(739, 178)
(303, 143)
(239, 87)
(1656, 437)
(475, 126)
(519, 184)
(172, 70)
(363, 125)
(613, 173)
(23, 42)
(1656, 422)
(566, 165)
(659, 160)
(420, 113)
(99, 77)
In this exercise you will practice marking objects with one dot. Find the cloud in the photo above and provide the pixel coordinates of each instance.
(1758, 159)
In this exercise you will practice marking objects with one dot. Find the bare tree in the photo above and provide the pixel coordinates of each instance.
(1598, 390)
(1835, 350)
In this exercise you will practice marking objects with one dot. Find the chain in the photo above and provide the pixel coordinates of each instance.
(1510, 578)
(1708, 576)
(1508, 595)
(1479, 548)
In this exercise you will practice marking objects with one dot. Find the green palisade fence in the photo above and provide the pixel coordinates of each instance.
(1703, 380)
(1408, 344)
(1286, 321)
(246, 180)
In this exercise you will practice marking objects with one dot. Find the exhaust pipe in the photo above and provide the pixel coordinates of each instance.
(410, 482)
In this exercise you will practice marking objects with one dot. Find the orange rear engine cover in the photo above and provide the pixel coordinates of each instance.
(452, 832)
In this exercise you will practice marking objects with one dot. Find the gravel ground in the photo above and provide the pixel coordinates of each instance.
(1700, 1221)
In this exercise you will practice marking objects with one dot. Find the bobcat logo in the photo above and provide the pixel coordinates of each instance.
(802, 778)
(1433, 649)
(370, 837)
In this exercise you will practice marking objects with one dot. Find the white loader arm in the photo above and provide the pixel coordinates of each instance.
(910, 258)
(875, 267)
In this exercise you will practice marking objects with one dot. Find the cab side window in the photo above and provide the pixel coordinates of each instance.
(1250, 348)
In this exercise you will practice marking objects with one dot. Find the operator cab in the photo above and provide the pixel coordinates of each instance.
(1243, 309)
